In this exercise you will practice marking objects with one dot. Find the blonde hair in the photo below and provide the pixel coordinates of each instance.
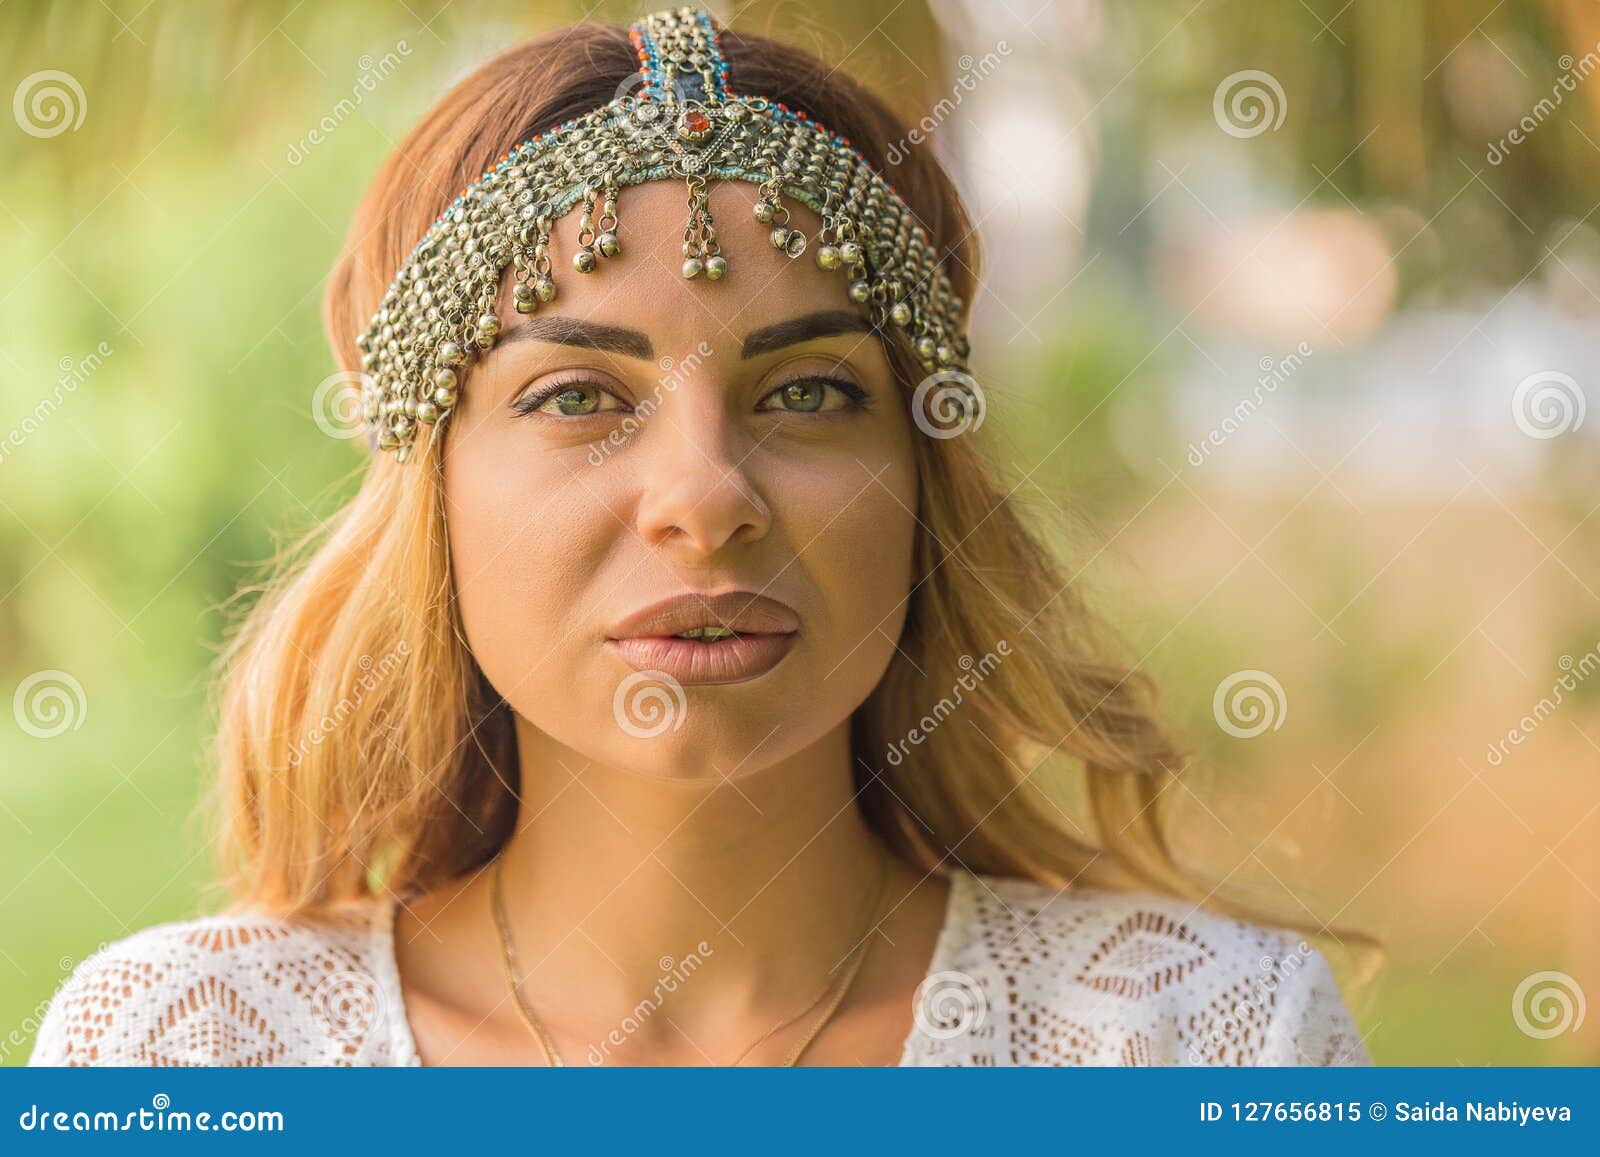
(361, 749)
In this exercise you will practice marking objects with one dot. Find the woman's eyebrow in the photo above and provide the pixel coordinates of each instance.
(577, 332)
(824, 323)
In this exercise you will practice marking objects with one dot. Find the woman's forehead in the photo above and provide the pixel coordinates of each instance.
(643, 287)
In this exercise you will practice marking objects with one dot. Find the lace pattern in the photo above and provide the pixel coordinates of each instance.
(1021, 976)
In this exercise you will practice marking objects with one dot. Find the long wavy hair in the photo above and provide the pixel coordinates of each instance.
(362, 750)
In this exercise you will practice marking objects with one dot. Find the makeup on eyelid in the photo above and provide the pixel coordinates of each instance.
(532, 403)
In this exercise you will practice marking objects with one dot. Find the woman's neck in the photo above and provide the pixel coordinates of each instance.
(739, 896)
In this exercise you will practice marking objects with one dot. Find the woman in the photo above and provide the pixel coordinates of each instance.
(671, 691)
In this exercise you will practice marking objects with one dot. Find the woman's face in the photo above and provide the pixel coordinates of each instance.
(645, 436)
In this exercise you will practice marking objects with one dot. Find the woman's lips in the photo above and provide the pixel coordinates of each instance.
(731, 660)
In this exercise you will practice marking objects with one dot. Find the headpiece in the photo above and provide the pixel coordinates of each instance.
(677, 120)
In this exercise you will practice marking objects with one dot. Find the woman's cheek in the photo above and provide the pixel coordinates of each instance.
(527, 550)
(850, 527)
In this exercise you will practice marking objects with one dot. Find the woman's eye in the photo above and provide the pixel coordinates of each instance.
(814, 395)
(572, 401)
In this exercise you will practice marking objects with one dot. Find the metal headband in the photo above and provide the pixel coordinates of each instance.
(681, 121)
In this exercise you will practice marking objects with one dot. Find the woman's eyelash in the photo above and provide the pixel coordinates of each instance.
(529, 403)
(858, 397)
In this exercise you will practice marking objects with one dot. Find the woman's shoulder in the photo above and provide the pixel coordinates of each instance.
(1087, 976)
(234, 989)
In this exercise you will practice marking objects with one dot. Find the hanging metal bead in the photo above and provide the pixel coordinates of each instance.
(435, 320)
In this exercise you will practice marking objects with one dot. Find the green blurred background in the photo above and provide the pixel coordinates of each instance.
(1176, 200)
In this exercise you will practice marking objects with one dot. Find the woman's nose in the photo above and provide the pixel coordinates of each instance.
(697, 494)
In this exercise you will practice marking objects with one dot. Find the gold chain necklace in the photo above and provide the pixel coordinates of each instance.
(839, 988)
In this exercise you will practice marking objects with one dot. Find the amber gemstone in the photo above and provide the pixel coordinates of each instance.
(696, 122)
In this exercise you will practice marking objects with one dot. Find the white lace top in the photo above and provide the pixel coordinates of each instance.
(1021, 975)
